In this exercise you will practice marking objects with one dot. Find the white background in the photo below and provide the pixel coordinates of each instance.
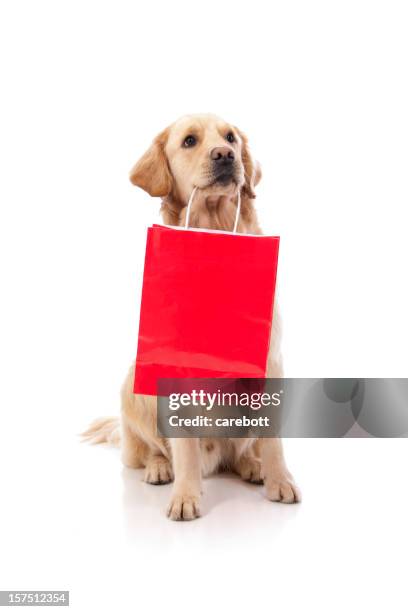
(321, 90)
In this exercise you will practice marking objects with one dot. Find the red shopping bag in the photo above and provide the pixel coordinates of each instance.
(207, 303)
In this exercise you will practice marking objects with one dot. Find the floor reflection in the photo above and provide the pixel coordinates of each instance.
(235, 513)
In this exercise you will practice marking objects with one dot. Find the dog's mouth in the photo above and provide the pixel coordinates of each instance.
(229, 176)
(224, 177)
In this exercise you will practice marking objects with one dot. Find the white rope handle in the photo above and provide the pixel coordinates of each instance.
(190, 201)
(234, 230)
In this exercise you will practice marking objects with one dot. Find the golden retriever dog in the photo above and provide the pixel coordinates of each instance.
(200, 151)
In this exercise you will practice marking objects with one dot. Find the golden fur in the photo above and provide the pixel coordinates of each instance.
(171, 170)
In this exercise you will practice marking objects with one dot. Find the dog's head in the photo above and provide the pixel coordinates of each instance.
(197, 151)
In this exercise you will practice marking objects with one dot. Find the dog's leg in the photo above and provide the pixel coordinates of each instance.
(185, 500)
(137, 454)
(279, 483)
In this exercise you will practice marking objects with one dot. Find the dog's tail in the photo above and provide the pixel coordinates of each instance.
(106, 429)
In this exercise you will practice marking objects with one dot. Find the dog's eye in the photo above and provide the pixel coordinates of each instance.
(189, 141)
(230, 137)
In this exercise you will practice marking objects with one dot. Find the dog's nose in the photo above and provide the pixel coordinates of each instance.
(222, 154)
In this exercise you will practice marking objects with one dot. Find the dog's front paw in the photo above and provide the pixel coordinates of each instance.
(158, 470)
(184, 507)
(282, 488)
(249, 468)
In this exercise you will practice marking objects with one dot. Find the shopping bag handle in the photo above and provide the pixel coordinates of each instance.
(234, 229)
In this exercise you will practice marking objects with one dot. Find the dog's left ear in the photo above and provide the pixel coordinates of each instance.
(252, 168)
(152, 172)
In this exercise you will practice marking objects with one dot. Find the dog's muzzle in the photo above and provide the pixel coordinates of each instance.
(223, 165)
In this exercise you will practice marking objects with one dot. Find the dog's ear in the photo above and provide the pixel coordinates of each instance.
(152, 172)
(252, 168)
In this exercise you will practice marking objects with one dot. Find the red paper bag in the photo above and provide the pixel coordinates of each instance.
(207, 303)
